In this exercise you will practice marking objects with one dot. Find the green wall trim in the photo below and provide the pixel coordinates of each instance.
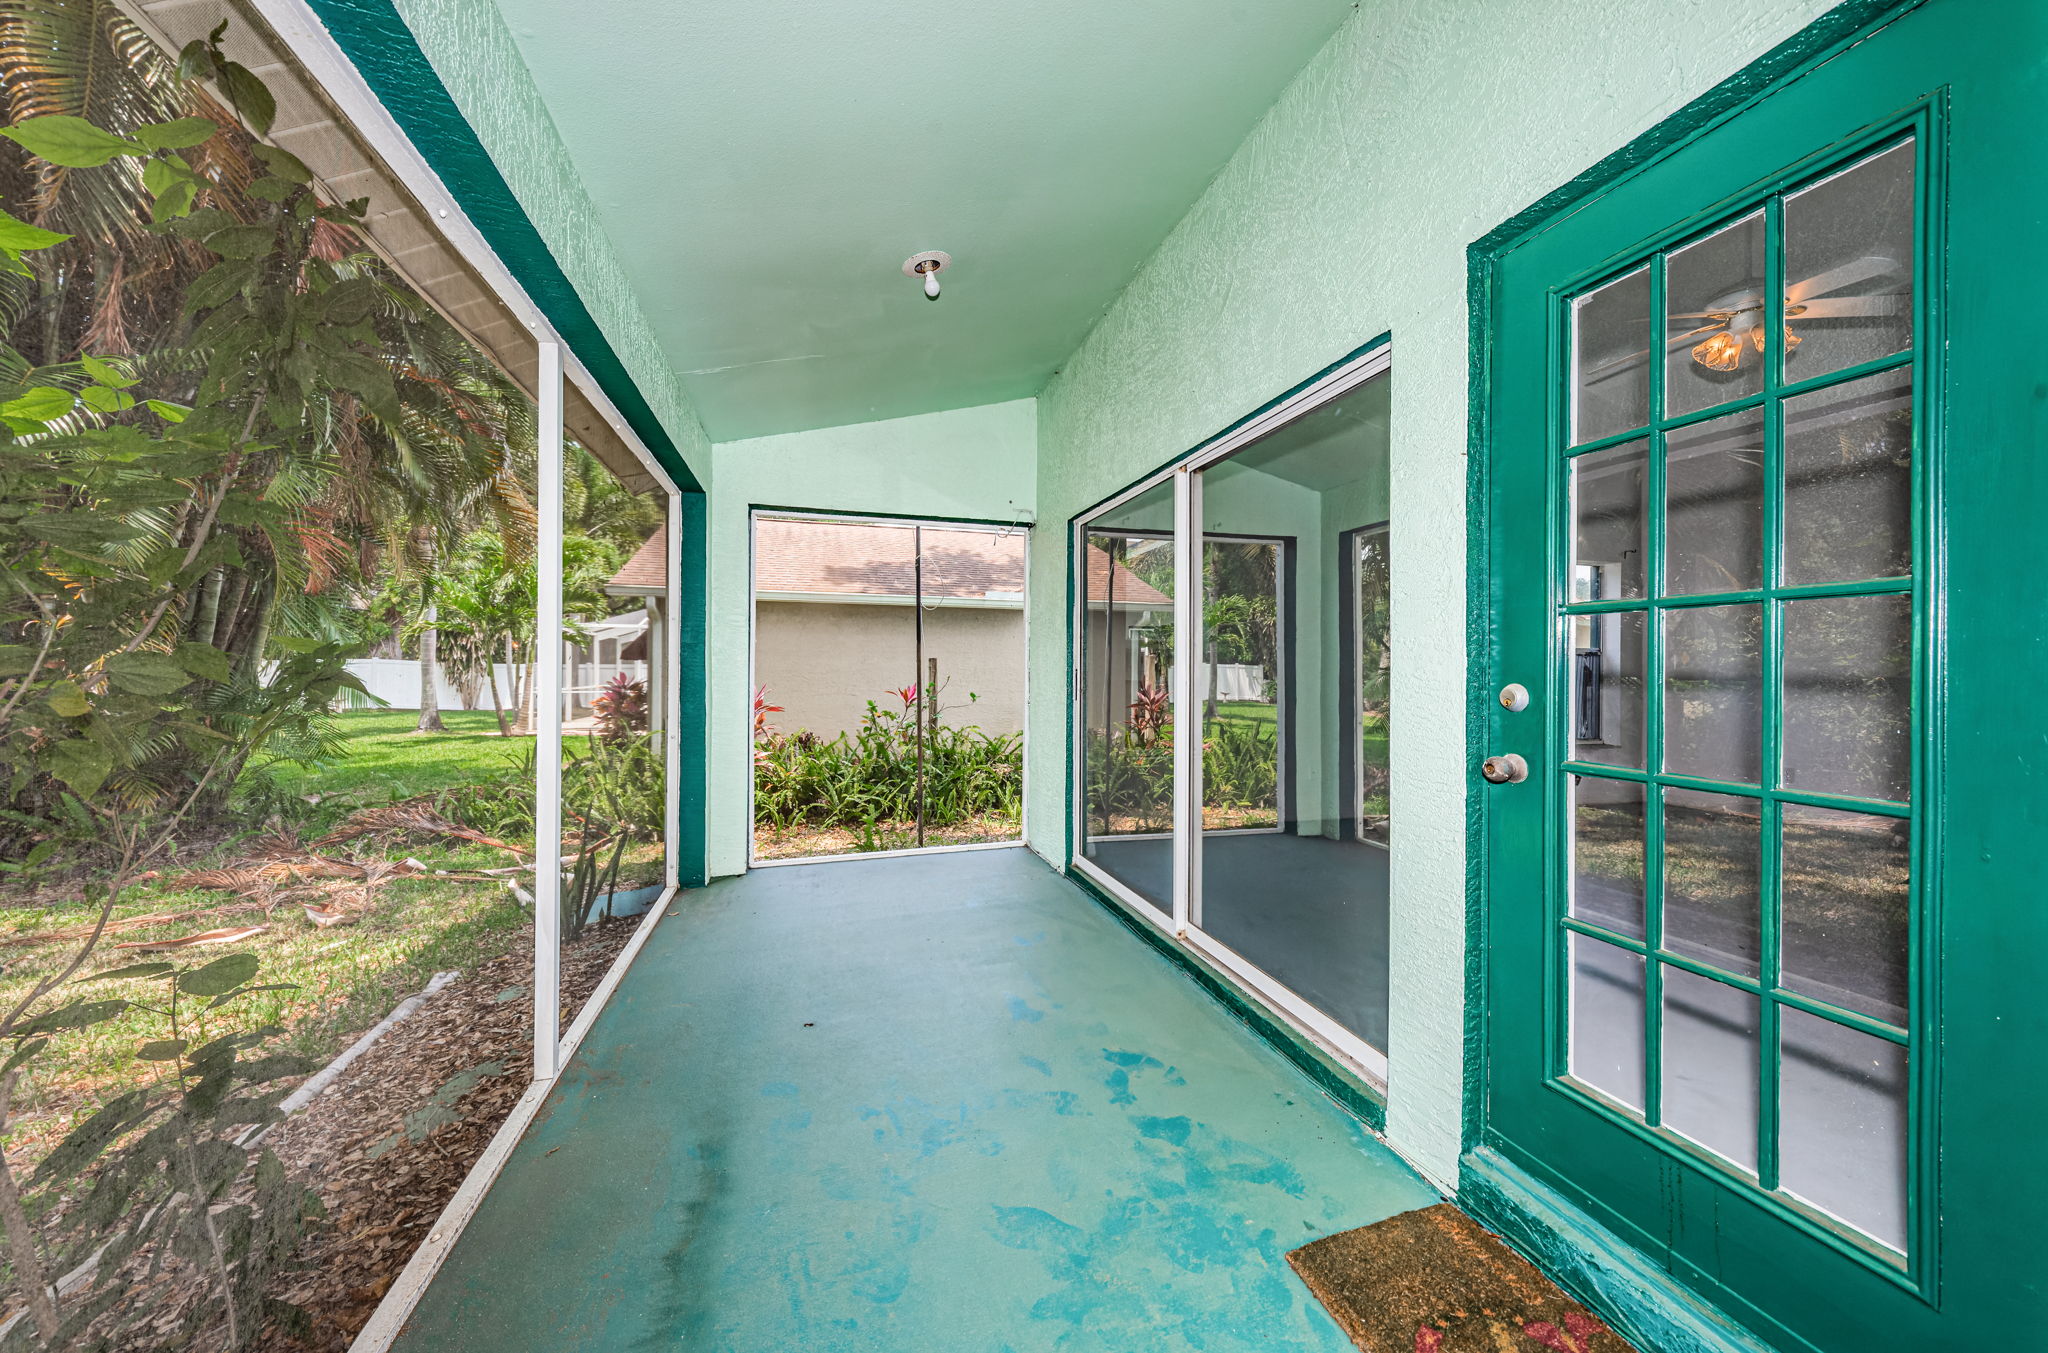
(1624, 1286)
(1822, 38)
(693, 689)
(384, 51)
(1341, 1085)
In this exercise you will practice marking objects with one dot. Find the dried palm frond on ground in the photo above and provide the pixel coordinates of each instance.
(412, 817)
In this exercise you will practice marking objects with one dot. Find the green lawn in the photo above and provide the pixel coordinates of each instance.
(1246, 711)
(387, 760)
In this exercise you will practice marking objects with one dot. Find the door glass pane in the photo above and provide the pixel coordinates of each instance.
(1849, 481)
(1127, 666)
(1842, 1124)
(1610, 500)
(1711, 1058)
(1285, 879)
(1608, 658)
(1607, 853)
(1714, 506)
(972, 581)
(1712, 858)
(1846, 908)
(1714, 327)
(1607, 1019)
(1611, 338)
(1713, 683)
(835, 672)
(1849, 696)
(1849, 266)
(1374, 675)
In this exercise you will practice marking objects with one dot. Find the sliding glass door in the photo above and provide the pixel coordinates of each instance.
(1260, 838)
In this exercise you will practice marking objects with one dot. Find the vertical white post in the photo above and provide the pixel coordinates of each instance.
(1187, 709)
(547, 738)
(671, 660)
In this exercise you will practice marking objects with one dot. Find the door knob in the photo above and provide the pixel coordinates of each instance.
(1507, 769)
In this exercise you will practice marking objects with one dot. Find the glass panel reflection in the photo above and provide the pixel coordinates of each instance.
(1714, 506)
(1842, 1124)
(1711, 1060)
(1607, 853)
(1611, 335)
(1849, 266)
(1286, 878)
(1714, 329)
(1609, 653)
(1607, 1019)
(1373, 674)
(1847, 909)
(1849, 696)
(1127, 655)
(1849, 481)
(1610, 502)
(1713, 686)
(1713, 859)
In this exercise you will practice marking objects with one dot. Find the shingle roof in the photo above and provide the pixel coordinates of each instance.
(877, 559)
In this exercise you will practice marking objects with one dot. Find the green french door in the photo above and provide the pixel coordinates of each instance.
(1764, 815)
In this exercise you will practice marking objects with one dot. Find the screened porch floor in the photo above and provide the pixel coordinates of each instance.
(938, 1102)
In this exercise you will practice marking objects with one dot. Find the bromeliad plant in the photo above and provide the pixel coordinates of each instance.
(866, 781)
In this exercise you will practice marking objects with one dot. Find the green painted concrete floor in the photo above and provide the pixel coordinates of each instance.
(933, 1103)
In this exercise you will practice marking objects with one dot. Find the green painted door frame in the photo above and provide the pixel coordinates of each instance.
(1967, 81)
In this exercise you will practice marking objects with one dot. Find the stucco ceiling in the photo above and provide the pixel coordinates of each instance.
(763, 170)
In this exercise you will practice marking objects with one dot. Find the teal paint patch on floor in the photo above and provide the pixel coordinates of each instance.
(943, 1102)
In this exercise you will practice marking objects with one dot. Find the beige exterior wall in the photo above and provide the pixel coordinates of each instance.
(823, 662)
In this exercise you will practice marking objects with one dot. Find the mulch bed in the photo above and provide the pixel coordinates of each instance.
(390, 1141)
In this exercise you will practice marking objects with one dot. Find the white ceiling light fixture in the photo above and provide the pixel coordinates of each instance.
(928, 266)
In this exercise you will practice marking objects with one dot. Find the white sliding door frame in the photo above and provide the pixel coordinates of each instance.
(1184, 924)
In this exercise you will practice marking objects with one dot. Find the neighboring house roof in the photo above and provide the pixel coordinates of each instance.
(799, 559)
(646, 573)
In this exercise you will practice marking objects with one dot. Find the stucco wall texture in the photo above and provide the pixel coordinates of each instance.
(824, 663)
(473, 52)
(964, 464)
(1345, 214)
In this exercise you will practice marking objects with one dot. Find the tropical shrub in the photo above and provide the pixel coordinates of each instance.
(870, 776)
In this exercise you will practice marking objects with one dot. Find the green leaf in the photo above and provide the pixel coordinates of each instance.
(85, 1142)
(147, 673)
(78, 530)
(164, 409)
(68, 701)
(283, 163)
(175, 201)
(240, 992)
(178, 135)
(77, 1015)
(102, 400)
(250, 96)
(40, 853)
(79, 763)
(23, 1053)
(70, 141)
(162, 1050)
(273, 189)
(203, 661)
(19, 236)
(132, 970)
(106, 373)
(220, 976)
(241, 241)
(43, 403)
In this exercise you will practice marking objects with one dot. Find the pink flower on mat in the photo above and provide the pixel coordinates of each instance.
(1428, 1339)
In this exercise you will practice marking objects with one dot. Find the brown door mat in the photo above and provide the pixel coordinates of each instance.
(1435, 1281)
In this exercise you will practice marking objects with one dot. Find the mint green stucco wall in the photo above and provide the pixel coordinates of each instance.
(973, 463)
(473, 53)
(1346, 214)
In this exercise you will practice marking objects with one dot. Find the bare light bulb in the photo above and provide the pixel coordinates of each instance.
(926, 266)
(931, 284)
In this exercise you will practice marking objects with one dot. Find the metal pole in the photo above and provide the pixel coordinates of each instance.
(917, 672)
(547, 752)
(1187, 718)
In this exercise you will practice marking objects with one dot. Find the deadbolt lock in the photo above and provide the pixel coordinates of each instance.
(1514, 697)
(1507, 769)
